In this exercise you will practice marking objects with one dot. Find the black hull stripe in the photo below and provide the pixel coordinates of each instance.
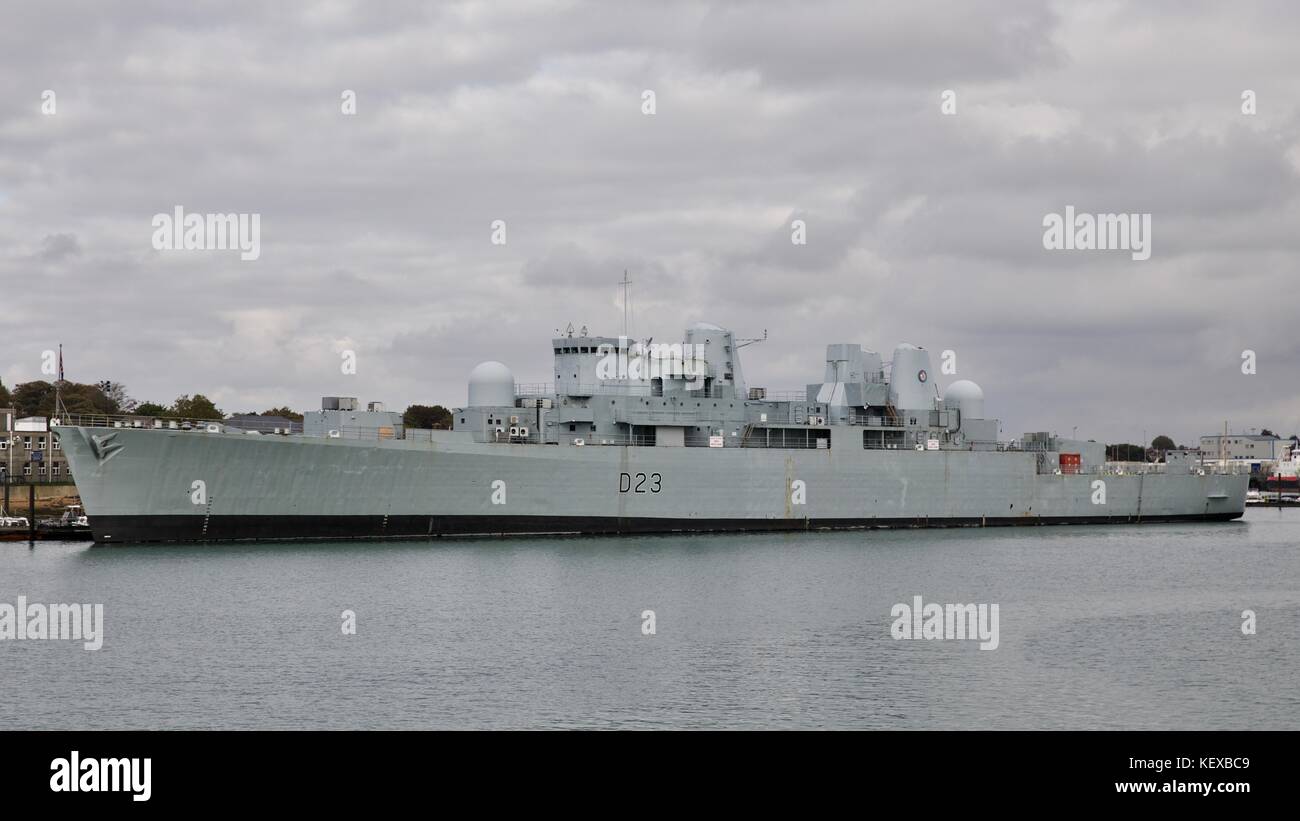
(120, 529)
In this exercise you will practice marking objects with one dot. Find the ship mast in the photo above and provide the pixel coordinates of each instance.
(59, 410)
(626, 282)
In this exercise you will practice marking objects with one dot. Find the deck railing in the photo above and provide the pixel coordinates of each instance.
(168, 423)
(743, 440)
(225, 426)
(544, 390)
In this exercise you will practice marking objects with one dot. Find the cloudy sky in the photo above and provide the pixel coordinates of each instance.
(921, 227)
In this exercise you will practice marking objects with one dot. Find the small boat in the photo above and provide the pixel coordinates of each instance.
(74, 516)
(73, 524)
(7, 521)
(14, 528)
(1254, 497)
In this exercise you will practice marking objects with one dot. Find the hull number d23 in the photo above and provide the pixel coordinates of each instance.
(639, 483)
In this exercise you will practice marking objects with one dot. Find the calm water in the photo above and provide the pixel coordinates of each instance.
(1100, 627)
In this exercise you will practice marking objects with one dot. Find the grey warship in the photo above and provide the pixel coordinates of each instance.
(630, 437)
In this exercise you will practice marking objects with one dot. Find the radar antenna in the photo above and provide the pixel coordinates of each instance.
(625, 283)
(740, 343)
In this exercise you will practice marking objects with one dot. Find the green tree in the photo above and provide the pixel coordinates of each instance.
(5, 398)
(34, 398)
(196, 407)
(424, 417)
(1126, 453)
(1162, 444)
(37, 399)
(79, 398)
(116, 393)
(151, 409)
(285, 412)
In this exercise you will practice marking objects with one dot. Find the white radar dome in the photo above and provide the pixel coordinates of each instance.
(967, 397)
(491, 384)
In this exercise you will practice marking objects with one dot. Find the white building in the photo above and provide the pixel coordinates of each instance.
(1252, 449)
(28, 451)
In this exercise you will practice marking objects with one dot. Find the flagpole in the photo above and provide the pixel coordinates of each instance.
(58, 387)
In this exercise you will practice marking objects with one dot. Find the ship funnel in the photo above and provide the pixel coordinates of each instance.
(851, 363)
(910, 383)
(721, 356)
(491, 384)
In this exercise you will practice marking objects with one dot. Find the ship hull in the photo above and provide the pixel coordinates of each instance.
(122, 529)
(188, 486)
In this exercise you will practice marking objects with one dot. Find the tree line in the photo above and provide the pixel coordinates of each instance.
(105, 398)
(1137, 453)
(109, 398)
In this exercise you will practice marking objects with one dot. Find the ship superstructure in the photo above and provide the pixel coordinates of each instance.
(612, 391)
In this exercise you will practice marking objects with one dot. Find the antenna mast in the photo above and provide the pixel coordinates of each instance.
(626, 282)
(59, 410)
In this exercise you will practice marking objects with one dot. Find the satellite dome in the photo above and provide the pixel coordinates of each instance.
(967, 397)
(491, 384)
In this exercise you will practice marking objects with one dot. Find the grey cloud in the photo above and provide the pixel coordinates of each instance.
(57, 246)
(875, 43)
(921, 227)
